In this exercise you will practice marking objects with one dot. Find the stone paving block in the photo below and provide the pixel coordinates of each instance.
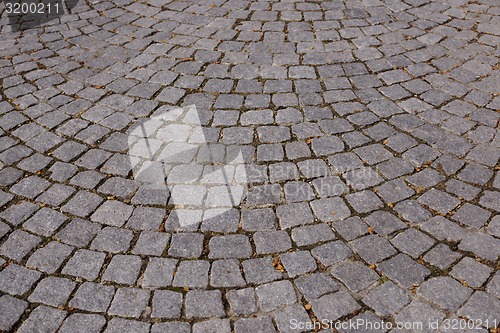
(364, 201)
(56, 195)
(123, 269)
(394, 168)
(315, 285)
(386, 299)
(297, 191)
(172, 326)
(212, 325)
(334, 306)
(329, 186)
(260, 270)
(331, 253)
(226, 273)
(19, 244)
(78, 232)
(327, 145)
(82, 204)
(475, 174)
(92, 297)
(439, 201)
(445, 292)
(471, 271)
(43, 319)
(298, 263)
(426, 178)
(230, 246)
(472, 242)
(372, 248)
(481, 306)
(52, 291)
(373, 154)
(259, 324)
(472, 216)
(404, 270)
(112, 239)
(418, 311)
(11, 309)
(151, 243)
(494, 226)
(274, 295)
(113, 213)
(129, 302)
(490, 200)
(85, 264)
(412, 242)
(192, 274)
(258, 219)
(443, 229)
(351, 228)
(295, 214)
(354, 275)
(271, 241)
(167, 304)
(441, 256)
(187, 245)
(204, 304)
(412, 211)
(30, 187)
(45, 222)
(82, 323)
(308, 235)
(146, 218)
(242, 301)
(384, 223)
(159, 272)
(117, 325)
(294, 313)
(49, 258)
(330, 209)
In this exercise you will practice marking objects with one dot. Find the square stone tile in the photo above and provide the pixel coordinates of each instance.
(387, 299)
(412, 242)
(404, 270)
(354, 275)
(83, 323)
(129, 302)
(471, 271)
(52, 291)
(334, 306)
(372, 248)
(445, 292)
(123, 269)
(439, 201)
(471, 215)
(192, 274)
(441, 256)
(298, 263)
(93, 297)
(167, 304)
(331, 253)
(11, 309)
(85, 264)
(273, 295)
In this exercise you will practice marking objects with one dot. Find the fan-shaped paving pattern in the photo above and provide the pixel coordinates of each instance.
(370, 134)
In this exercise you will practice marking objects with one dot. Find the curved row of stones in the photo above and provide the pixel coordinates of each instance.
(372, 127)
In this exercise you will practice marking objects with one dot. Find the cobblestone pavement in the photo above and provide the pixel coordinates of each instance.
(373, 126)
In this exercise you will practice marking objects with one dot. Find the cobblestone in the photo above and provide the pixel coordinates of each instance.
(369, 143)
